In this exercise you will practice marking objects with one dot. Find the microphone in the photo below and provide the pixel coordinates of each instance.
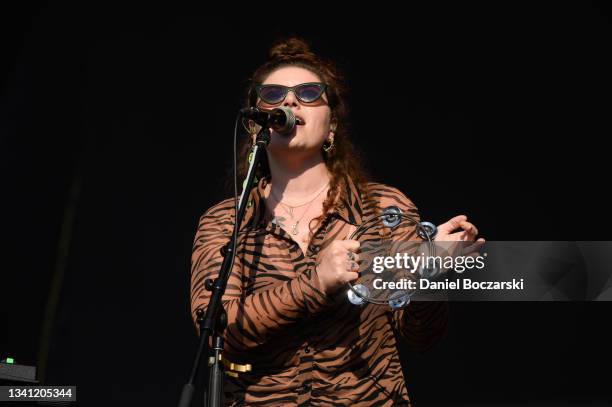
(281, 119)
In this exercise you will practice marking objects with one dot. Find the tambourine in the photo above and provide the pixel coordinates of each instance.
(390, 245)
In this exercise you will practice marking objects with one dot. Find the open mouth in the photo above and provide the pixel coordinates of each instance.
(299, 120)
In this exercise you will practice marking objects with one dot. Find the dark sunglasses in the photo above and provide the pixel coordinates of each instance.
(305, 92)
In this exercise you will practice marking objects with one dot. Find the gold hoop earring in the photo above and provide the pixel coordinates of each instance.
(330, 146)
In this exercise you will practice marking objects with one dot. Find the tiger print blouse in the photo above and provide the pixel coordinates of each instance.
(306, 348)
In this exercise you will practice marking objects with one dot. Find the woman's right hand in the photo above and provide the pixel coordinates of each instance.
(334, 267)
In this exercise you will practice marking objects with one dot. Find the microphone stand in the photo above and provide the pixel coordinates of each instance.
(213, 323)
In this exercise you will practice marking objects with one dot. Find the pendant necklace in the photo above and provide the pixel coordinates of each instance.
(289, 209)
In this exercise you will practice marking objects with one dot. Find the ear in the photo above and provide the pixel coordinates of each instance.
(333, 125)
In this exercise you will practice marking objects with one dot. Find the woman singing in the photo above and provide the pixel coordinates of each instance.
(286, 302)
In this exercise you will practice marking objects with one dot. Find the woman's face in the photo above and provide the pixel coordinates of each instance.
(306, 137)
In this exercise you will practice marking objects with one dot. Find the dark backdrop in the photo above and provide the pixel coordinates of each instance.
(116, 135)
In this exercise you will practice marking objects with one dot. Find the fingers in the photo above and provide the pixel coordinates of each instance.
(469, 227)
(475, 246)
(473, 250)
(456, 223)
(468, 233)
(352, 266)
(352, 245)
(350, 276)
(452, 224)
(352, 261)
(345, 251)
(343, 259)
(338, 263)
(351, 255)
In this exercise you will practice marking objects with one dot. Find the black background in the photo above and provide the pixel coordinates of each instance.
(122, 116)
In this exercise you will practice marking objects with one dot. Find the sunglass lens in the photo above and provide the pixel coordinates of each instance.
(272, 94)
(309, 92)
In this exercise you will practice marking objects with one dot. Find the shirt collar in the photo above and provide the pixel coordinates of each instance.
(348, 204)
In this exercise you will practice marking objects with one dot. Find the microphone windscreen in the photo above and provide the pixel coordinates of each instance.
(286, 124)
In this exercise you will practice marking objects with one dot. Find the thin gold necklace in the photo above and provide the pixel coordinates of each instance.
(289, 209)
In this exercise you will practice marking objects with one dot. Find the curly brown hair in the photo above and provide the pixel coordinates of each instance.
(343, 158)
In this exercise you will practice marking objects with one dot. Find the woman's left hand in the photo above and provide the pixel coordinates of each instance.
(468, 232)
(458, 229)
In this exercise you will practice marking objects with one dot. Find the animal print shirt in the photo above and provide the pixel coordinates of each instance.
(307, 348)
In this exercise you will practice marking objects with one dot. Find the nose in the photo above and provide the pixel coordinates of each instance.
(290, 99)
